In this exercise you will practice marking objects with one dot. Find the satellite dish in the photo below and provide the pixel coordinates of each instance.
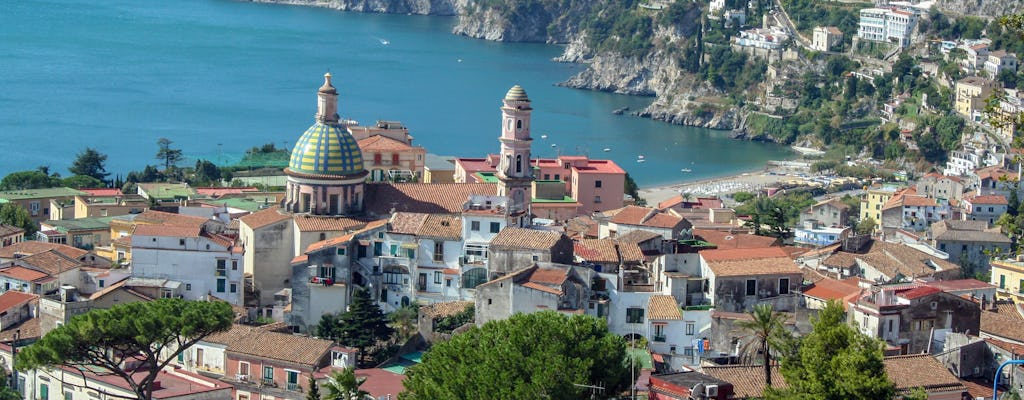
(730, 237)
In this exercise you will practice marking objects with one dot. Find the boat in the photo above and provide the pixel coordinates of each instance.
(641, 160)
(607, 149)
(554, 145)
(384, 42)
(686, 170)
(543, 136)
(640, 157)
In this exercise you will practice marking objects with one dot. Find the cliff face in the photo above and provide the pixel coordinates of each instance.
(543, 22)
(422, 7)
(983, 8)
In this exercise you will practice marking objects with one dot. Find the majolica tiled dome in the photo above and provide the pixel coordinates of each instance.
(516, 93)
(326, 149)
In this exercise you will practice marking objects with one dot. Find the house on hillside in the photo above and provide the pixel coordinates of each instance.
(911, 318)
(738, 279)
(537, 287)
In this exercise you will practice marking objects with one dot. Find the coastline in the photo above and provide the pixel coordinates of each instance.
(718, 186)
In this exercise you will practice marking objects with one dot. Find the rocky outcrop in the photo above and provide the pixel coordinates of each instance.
(540, 22)
(422, 7)
(983, 8)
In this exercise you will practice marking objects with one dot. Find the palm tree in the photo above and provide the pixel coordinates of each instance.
(766, 329)
(344, 385)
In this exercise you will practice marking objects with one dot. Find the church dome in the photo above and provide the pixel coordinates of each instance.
(326, 149)
(516, 93)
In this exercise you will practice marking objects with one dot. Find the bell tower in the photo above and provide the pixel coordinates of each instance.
(515, 174)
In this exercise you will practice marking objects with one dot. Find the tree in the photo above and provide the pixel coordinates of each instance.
(528, 356)
(834, 362)
(150, 333)
(327, 328)
(767, 330)
(82, 181)
(404, 320)
(169, 156)
(363, 324)
(344, 385)
(6, 392)
(29, 180)
(207, 173)
(13, 214)
(866, 226)
(90, 163)
(314, 389)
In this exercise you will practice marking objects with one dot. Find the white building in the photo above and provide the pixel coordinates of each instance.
(890, 25)
(999, 61)
(204, 263)
(826, 37)
(762, 38)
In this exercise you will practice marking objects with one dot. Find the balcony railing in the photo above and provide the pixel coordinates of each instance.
(268, 382)
(659, 338)
(294, 387)
(220, 272)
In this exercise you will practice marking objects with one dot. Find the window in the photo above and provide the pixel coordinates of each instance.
(558, 177)
(394, 250)
(68, 396)
(783, 286)
(188, 286)
(597, 184)
(220, 285)
(634, 315)
(293, 379)
(394, 159)
(181, 358)
(438, 252)
(268, 374)
(44, 392)
(234, 263)
(448, 283)
(597, 199)
(102, 283)
(234, 288)
(474, 226)
(495, 227)
(659, 333)
(519, 124)
(410, 253)
(323, 236)
(243, 368)
(751, 287)
(689, 328)
(567, 165)
(547, 177)
(1002, 281)
(222, 266)
(181, 242)
(688, 351)
(890, 326)
(341, 251)
(519, 163)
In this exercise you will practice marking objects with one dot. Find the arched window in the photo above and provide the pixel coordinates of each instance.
(519, 163)
(519, 124)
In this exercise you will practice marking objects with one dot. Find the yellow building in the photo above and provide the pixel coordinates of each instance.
(971, 93)
(873, 201)
(1008, 277)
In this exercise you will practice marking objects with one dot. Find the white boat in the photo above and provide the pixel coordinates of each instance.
(543, 136)
(686, 170)
(607, 149)
(641, 160)
(384, 42)
(640, 157)
(554, 145)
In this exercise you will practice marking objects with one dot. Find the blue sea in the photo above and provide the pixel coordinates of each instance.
(218, 77)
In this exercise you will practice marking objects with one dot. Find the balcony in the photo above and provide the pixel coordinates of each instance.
(472, 260)
(268, 382)
(294, 387)
(220, 272)
(658, 338)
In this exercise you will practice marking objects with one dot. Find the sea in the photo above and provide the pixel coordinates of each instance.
(218, 77)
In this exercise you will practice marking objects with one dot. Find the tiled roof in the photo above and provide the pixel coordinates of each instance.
(382, 143)
(14, 298)
(311, 223)
(643, 216)
(892, 259)
(726, 240)
(255, 342)
(380, 383)
(994, 173)
(663, 307)
(166, 231)
(960, 284)
(323, 244)
(25, 194)
(27, 329)
(265, 217)
(168, 219)
(759, 266)
(23, 274)
(441, 226)
(832, 289)
(103, 191)
(742, 254)
(596, 250)
(637, 236)
(33, 247)
(406, 223)
(747, 380)
(437, 198)
(1003, 323)
(7, 230)
(440, 310)
(919, 292)
(630, 253)
(920, 370)
(522, 238)
(987, 199)
(51, 261)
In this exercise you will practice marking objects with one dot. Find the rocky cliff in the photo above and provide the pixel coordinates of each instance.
(983, 8)
(422, 7)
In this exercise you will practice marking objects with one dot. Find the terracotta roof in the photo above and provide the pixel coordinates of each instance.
(630, 253)
(440, 310)
(33, 247)
(522, 238)
(747, 380)
(759, 266)
(832, 289)
(255, 342)
(967, 231)
(406, 223)
(310, 223)
(51, 261)
(382, 143)
(994, 173)
(637, 236)
(892, 259)
(597, 250)
(987, 199)
(27, 329)
(166, 231)
(960, 284)
(546, 277)
(919, 292)
(332, 242)
(381, 383)
(168, 219)
(663, 307)
(742, 254)
(726, 240)
(1006, 324)
(23, 274)
(643, 216)
(920, 370)
(14, 298)
(112, 287)
(265, 217)
(7, 230)
(438, 198)
(441, 226)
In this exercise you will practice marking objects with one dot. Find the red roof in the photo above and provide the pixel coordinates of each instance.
(960, 284)
(601, 167)
(381, 383)
(166, 231)
(14, 298)
(919, 292)
(832, 289)
(742, 254)
(23, 274)
(988, 199)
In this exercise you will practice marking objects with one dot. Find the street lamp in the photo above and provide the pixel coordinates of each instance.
(995, 381)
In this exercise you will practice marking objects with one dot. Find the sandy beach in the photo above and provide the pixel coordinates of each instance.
(744, 182)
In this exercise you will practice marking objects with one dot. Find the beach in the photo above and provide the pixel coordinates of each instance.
(720, 186)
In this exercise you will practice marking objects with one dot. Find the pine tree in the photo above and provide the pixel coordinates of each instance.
(363, 324)
(314, 389)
